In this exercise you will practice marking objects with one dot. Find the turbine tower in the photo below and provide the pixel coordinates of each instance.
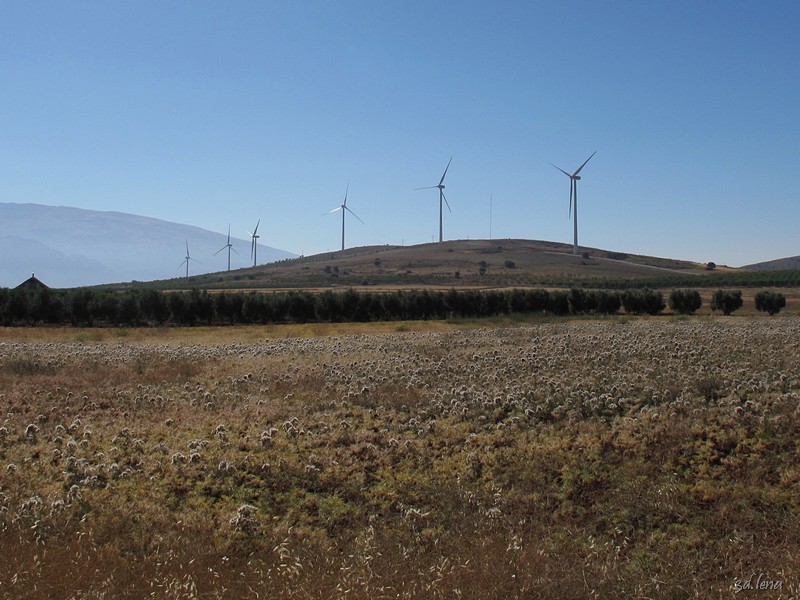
(229, 246)
(254, 243)
(344, 209)
(441, 195)
(573, 197)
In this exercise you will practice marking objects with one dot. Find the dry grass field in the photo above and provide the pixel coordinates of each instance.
(614, 458)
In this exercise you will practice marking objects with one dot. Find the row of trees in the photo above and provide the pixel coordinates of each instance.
(84, 306)
(689, 301)
(744, 279)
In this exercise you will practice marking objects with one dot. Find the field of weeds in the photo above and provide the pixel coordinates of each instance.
(608, 459)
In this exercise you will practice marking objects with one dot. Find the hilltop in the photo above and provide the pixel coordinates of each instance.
(779, 264)
(458, 263)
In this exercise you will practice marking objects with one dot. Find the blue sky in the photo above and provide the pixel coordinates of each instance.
(210, 113)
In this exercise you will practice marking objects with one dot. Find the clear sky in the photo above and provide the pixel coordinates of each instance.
(210, 113)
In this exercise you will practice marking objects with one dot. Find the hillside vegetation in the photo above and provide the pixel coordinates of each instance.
(462, 263)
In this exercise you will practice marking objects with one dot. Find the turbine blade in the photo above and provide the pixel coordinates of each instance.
(220, 250)
(234, 251)
(445, 170)
(347, 189)
(446, 202)
(584, 164)
(562, 170)
(354, 214)
(333, 211)
(429, 187)
(255, 231)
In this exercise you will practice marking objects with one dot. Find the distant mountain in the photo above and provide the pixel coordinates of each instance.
(69, 247)
(791, 263)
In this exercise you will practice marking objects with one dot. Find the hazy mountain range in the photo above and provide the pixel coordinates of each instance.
(69, 247)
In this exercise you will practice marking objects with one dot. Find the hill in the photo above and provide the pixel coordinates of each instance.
(791, 263)
(69, 247)
(459, 263)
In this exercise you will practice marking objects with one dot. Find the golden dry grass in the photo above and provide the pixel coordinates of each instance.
(642, 458)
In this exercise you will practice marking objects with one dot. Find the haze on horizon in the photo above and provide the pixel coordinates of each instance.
(207, 113)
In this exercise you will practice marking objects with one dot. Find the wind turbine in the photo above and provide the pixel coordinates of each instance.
(254, 243)
(573, 196)
(344, 209)
(229, 246)
(441, 195)
(187, 259)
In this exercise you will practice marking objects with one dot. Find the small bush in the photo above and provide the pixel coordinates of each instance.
(509, 264)
(770, 302)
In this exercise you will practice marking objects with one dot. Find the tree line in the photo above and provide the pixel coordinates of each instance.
(138, 307)
(746, 279)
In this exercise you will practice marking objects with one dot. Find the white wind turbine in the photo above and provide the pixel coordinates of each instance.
(440, 186)
(229, 246)
(344, 209)
(573, 197)
(254, 243)
(187, 259)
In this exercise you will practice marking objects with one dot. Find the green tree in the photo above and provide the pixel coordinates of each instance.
(81, 306)
(228, 306)
(105, 307)
(770, 302)
(256, 308)
(179, 309)
(45, 305)
(18, 305)
(154, 306)
(129, 309)
(200, 305)
(577, 301)
(604, 302)
(644, 301)
(4, 295)
(685, 302)
(727, 301)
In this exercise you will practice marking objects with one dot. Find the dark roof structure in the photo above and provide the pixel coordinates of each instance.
(31, 284)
